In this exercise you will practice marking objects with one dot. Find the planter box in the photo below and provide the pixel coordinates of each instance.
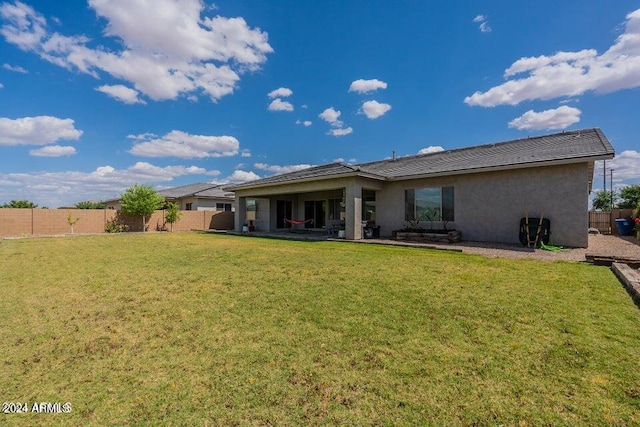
(449, 237)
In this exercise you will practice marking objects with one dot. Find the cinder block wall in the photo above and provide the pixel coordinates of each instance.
(48, 222)
(16, 222)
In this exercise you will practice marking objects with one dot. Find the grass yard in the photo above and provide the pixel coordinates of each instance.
(201, 329)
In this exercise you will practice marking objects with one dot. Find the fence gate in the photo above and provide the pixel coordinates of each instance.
(600, 221)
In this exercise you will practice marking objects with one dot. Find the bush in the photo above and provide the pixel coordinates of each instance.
(115, 227)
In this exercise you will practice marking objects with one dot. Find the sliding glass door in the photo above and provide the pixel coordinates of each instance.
(283, 210)
(315, 210)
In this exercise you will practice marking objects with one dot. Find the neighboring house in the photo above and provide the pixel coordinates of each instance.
(482, 191)
(193, 197)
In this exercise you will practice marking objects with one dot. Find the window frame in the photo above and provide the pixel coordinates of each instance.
(252, 206)
(445, 208)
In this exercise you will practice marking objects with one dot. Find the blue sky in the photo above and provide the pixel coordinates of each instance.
(97, 96)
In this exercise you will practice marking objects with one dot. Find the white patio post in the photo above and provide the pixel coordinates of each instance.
(353, 211)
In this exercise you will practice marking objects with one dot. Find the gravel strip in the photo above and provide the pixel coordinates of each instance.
(625, 247)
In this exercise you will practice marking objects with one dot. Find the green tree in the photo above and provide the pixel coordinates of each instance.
(72, 221)
(141, 200)
(602, 200)
(22, 204)
(90, 205)
(630, 196)
(173, 213)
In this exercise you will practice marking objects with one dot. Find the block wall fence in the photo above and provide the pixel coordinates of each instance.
(48, 222)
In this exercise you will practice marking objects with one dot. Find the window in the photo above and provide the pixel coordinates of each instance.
(368, 205)
(336, 209)
(429, 204)
(252, 209)
(226, 207)
(189, 206)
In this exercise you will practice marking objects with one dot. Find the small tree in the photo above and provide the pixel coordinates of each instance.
(630, 196)
(90, 205)
(173, 213)
(604, 199)
(22, 204)
(71, 221)
(141, 200)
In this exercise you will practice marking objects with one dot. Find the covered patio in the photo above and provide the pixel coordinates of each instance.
(342, 207)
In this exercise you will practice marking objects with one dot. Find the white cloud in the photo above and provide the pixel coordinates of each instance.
(277, 170)
(484, 27)
(559, 118)
(245, 153)
(484, 24)
(431, 149)
(39, 130)
(305, 123)
(280, 105)
(186, 146)
(374, 109)
(342, 160)
(330, 115)
(625, 165)
(64, 188)
(170, 48)
(53, 151)
(340, 131)
(16, 69)
(121, 93)
(366, 86)
(142, 136)
(27, 27)
(240, 176)
(570, 73)
(1, 86)
(281, 92)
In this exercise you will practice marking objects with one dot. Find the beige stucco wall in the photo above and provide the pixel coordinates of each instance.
(182, 203)
(113, 204)
(488, 206)
(200, 203)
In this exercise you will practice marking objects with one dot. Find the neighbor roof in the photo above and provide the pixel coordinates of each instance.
(566, 147)
(206, 190)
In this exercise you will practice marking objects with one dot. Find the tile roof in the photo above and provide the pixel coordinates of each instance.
(330, 170)
(574, 146)
(565, 146)
(196, 190)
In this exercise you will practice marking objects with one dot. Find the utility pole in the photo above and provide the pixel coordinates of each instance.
(604, 175)
(611, 193)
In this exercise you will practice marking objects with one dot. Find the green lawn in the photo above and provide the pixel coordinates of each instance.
(201, 329)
